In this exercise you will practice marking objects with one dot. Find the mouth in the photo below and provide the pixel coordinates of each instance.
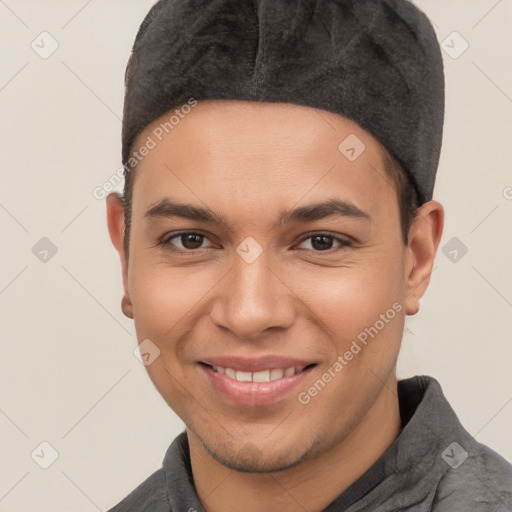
(255, 384)
(267, 375)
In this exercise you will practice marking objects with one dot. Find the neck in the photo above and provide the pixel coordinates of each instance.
(333, 471)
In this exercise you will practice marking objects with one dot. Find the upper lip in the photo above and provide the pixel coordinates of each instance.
(256, 364)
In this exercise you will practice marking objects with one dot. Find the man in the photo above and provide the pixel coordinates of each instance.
(277, 226)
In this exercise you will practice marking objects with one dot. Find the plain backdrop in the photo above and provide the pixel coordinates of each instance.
(68, 376)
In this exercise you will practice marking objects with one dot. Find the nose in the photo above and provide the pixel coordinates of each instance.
(253, 298)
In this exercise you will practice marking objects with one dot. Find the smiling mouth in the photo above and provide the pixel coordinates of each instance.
(267, 375)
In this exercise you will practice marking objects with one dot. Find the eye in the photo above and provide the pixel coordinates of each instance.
(323, 242)
(185, 242)
(190, 241)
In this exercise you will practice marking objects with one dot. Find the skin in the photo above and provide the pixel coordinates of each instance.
(249, 161)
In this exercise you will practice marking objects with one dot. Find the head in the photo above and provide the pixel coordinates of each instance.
(302, 298)
(250, 238)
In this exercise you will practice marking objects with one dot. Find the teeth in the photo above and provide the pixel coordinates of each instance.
(276, 374)
(230, 373)
(289, 371)
(244, 376)
(261, 376)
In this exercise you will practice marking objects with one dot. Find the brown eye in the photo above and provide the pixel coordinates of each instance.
(191, 241)
(322, 242)
(184, 242)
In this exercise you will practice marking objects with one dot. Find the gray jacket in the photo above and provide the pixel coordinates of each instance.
(434, 465)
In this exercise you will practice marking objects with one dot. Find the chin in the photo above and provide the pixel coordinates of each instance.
(251, 459)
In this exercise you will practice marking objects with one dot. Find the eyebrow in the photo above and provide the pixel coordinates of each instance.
(167, 208)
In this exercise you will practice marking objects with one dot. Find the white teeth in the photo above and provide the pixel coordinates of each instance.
(230, 373)
(244, 376)
(261, 376)
(289, 371)
(276, 374)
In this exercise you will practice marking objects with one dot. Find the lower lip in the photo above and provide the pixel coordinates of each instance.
(253, 394)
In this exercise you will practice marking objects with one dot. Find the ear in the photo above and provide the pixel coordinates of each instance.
(115, 222)
(424, 237)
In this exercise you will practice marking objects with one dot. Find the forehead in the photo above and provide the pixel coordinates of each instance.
(253, 154)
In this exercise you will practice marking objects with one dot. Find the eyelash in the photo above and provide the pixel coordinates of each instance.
(167, 246)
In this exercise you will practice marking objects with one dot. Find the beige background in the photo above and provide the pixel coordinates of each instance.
(67, 372)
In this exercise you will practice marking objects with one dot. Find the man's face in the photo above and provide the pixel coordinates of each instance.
(262, 294)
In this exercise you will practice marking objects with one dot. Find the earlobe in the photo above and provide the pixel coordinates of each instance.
(115, 222)
(126, 306)
(424, 238)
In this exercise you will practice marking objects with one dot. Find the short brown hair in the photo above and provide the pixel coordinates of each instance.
(408, 202)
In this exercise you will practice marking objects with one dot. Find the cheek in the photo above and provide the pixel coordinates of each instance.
(163, 297)
(163, 302)
(360, 310)
(352, 298)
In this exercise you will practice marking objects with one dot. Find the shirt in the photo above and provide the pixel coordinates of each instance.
(434, 465)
